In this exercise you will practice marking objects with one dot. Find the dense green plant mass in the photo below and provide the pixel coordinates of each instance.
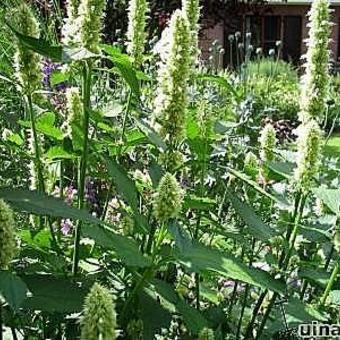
(155, 195)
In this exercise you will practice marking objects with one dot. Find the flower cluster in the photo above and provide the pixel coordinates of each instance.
(191, 9)
(70, 36)
(168, 199)
(315, 81)
(27, 63)
(90, 17)
(56, 94)
(206, 334)
(309, 144)
(32, 166)
(66, 226)
(268, 142)
(136, 33)
(7, 235)
(171, 98)
(74, 111)
(251, 166)
(99, 317)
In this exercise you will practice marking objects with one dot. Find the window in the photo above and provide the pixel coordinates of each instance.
(271, 31)
(268, 29)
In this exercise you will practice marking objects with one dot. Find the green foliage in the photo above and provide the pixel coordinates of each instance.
(158, 180)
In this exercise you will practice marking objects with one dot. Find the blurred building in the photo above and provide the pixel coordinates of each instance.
(284, 21)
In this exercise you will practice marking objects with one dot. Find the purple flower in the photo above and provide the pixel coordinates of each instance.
(48, 68)
(66, 226)
(69, 194)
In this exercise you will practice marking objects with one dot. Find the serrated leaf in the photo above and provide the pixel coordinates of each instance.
(283, 202)
(198, 203)
(58, 152)
(12, 288)
(56, 53)
(331, 197)
(257, 228)
(124, 184)
(199, 258)
(124, 67)
(318, 276)
(220, 81)
(58, 77)
(52, 294)
(40, 204)
(151, 134)
(45, 125)
(193, 319)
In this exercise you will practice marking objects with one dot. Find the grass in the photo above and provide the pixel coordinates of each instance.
(333, 146)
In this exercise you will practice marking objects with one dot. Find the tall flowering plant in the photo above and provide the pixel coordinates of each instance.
(315, 81)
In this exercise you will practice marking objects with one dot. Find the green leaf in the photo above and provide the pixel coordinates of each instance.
(52, 294)
(315, 234)
(40, 204)
(40, 46)
(58, 77)
(257, 227)
(12, 288)
(221, 127)
(220, 81)
(124, 184)
(151, 134)
(153, 314)
(334, 296)
(331, 197)
(198, 203)
(16, 139)
(45, 125)
(314, 275)
(37, 203)
(302, 312)
(284, 203)
(284, 169)
(124, 66)
(125, 248)
(55, 53)
(58, 152)
(199, 258)
(181, 237)
(191, 316)
(41, 240)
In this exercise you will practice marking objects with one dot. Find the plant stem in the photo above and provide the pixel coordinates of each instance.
(254, 315)
(1, 322)
(148, 272)
(37, 161)
(246, 292)
(331, 282)
(285, 261)
(86, 93)
(126, 113)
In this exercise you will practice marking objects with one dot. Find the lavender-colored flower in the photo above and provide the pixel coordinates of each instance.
(48, 68)
(70, 194)
(66, 226)
(56, 93)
